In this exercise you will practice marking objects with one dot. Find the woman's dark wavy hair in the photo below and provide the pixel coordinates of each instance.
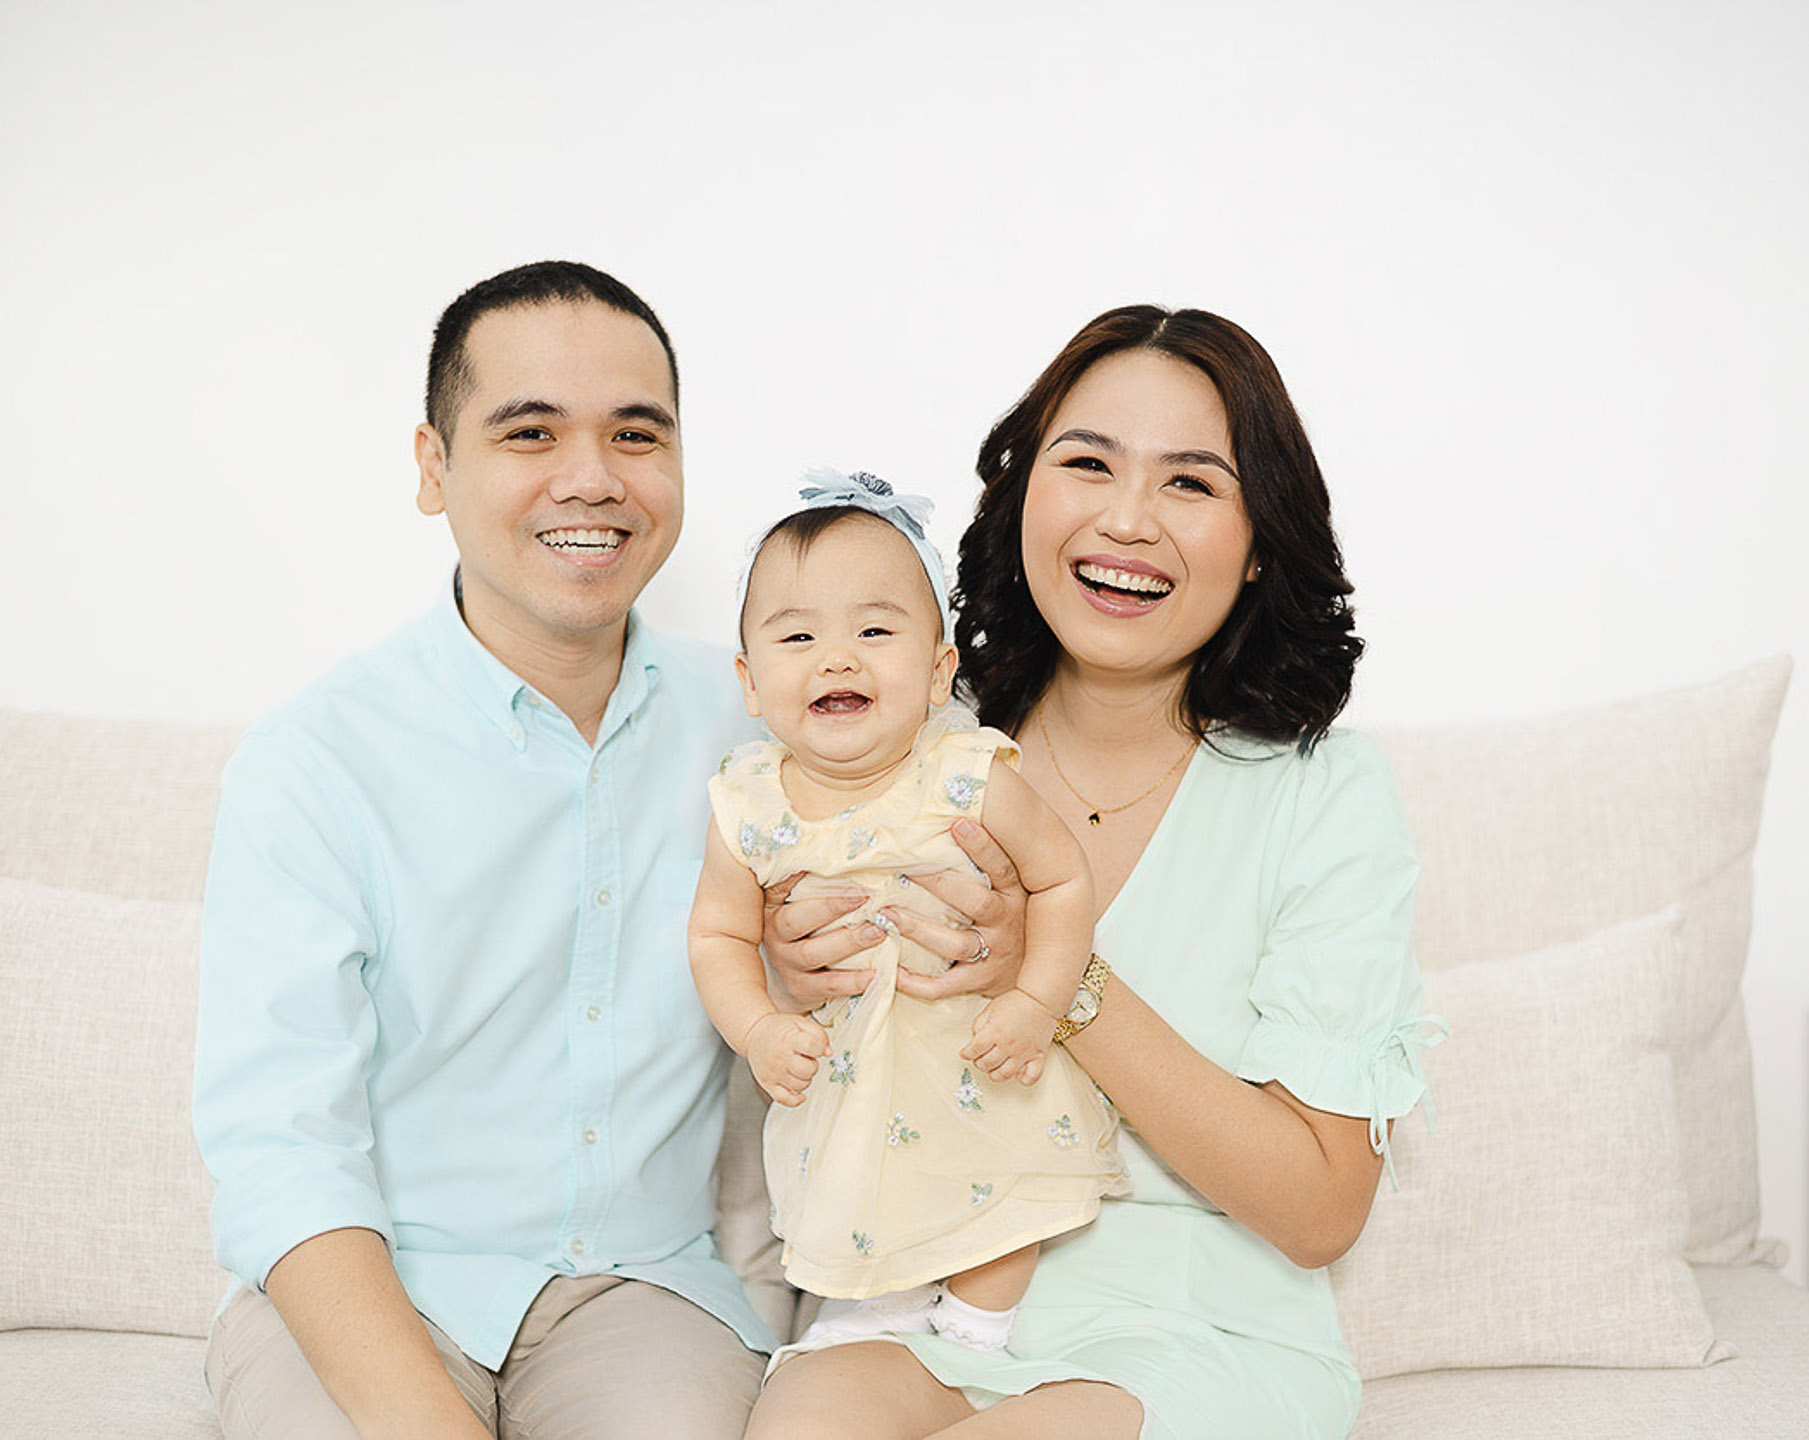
(1280, 666)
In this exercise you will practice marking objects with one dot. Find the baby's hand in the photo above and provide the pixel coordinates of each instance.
(783, 1050)
(1011, 1036)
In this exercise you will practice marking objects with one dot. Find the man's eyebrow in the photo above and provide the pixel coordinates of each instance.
(646, 411)
(527, 406)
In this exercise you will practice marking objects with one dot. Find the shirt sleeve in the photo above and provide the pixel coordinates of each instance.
(285, 1027)
(1336, 990)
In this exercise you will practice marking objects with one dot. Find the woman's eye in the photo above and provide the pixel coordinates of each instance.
(1192, 485)
(1090, 463)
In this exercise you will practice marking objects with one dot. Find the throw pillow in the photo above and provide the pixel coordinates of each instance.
(105, 1204)
(1544, 1222)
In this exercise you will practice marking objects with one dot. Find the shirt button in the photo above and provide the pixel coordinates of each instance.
(602, 897)
(577, 1246)
(590, 1137)
(516, 732)
(593, 1012)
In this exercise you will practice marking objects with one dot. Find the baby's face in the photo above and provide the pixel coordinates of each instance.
(844, 653)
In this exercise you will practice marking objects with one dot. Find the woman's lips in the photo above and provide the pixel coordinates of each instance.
(1120, 587)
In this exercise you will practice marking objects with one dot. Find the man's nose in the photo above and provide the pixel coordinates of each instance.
(587, 473)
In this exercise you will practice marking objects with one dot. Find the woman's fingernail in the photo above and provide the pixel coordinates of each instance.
(966, 829)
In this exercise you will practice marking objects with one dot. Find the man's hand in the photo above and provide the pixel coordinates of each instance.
(783, 1051)
(985, 955)
(801, 941)
(1011, 1037)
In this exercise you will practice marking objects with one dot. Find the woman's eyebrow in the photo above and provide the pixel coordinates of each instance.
(1086, 437)
(1198, 457)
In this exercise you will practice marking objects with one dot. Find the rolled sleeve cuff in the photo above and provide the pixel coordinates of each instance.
(1377, 1077)
(263, 1214)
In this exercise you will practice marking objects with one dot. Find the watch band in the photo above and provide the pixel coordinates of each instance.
(1086, 1000)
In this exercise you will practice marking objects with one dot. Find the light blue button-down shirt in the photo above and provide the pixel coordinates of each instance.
(444, 991)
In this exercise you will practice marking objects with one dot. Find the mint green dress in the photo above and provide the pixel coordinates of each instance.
(1267, 921)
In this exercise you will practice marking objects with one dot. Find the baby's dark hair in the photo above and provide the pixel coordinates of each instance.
(803, 528)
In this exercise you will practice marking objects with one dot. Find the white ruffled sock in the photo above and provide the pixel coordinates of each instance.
(988, 1331)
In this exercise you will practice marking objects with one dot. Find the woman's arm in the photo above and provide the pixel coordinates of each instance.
(1301, 1178)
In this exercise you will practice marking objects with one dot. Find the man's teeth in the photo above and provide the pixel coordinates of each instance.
(1131, 580)
(581, 539)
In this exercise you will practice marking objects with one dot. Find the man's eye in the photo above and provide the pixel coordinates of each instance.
(636, 439)
(534, 434)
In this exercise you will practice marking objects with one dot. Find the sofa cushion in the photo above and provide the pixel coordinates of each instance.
(106, 1207)
(121, 807)
(1760, 1394)
(82, 1385)
(1537, 832)
(1544, 1222)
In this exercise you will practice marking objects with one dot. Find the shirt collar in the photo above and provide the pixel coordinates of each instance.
(498, 692)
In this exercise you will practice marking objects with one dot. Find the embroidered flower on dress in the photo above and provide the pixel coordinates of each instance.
(803, 1159)
(859, 839)
(863, 1242)
(900, 1133)
(963, 789)
(785, 832)
(841, 1068)
(967, 1093)
(762, 767)
(1063, 1133)
(982, 1193)
(750, 839)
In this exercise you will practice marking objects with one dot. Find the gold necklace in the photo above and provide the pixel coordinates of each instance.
(1095, 813)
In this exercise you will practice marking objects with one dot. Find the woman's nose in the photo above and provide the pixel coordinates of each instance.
(1128, 513)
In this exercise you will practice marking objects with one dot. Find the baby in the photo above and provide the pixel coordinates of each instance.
(899, 1152)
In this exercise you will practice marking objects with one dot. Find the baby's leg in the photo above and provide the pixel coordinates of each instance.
(978, 1305)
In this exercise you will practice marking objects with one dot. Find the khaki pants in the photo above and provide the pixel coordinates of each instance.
(596, 1358)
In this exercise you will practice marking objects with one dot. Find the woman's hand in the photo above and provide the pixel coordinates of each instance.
(985, 954)
(802, 941)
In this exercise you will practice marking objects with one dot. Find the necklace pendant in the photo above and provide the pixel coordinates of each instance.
(1093, 819)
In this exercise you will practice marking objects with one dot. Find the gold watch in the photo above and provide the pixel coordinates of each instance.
(1086, 1000)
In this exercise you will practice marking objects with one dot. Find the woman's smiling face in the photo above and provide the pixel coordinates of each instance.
(1136, 542)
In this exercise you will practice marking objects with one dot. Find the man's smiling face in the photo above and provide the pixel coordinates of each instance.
(563, 480)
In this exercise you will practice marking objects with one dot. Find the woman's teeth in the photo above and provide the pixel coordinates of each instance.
(1131, 581)
(582, 539)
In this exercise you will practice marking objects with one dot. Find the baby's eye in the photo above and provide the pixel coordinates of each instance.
(797, 637)
(874, 631)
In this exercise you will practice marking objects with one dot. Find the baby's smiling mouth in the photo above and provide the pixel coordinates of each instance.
(840, 702)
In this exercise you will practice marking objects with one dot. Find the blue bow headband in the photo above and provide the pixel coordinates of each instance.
(824, 488)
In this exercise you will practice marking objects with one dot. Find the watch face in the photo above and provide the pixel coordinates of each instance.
(1084, 1008)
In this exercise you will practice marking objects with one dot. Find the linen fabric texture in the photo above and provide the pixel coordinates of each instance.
(1514, 817)
(441, 925)
(1268, 921)
(904, 1163)
(1544, 1223)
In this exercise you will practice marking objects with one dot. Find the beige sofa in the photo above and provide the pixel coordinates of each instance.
(1574, 1252)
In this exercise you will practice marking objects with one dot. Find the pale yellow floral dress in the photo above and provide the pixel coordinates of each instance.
(905, 1164)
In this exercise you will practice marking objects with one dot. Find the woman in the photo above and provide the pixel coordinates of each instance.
(1153, 604)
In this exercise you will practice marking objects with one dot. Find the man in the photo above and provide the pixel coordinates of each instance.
(459, 1100)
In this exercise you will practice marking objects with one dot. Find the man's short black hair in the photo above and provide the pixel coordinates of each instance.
(546, 282)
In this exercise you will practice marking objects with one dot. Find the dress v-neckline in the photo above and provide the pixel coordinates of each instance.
(1156, 838)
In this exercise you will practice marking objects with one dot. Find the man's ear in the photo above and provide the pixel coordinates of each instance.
(746, 676)
(942, 673)
(430, 459)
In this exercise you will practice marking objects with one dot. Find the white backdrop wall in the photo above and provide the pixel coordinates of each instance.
(1535, 273)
